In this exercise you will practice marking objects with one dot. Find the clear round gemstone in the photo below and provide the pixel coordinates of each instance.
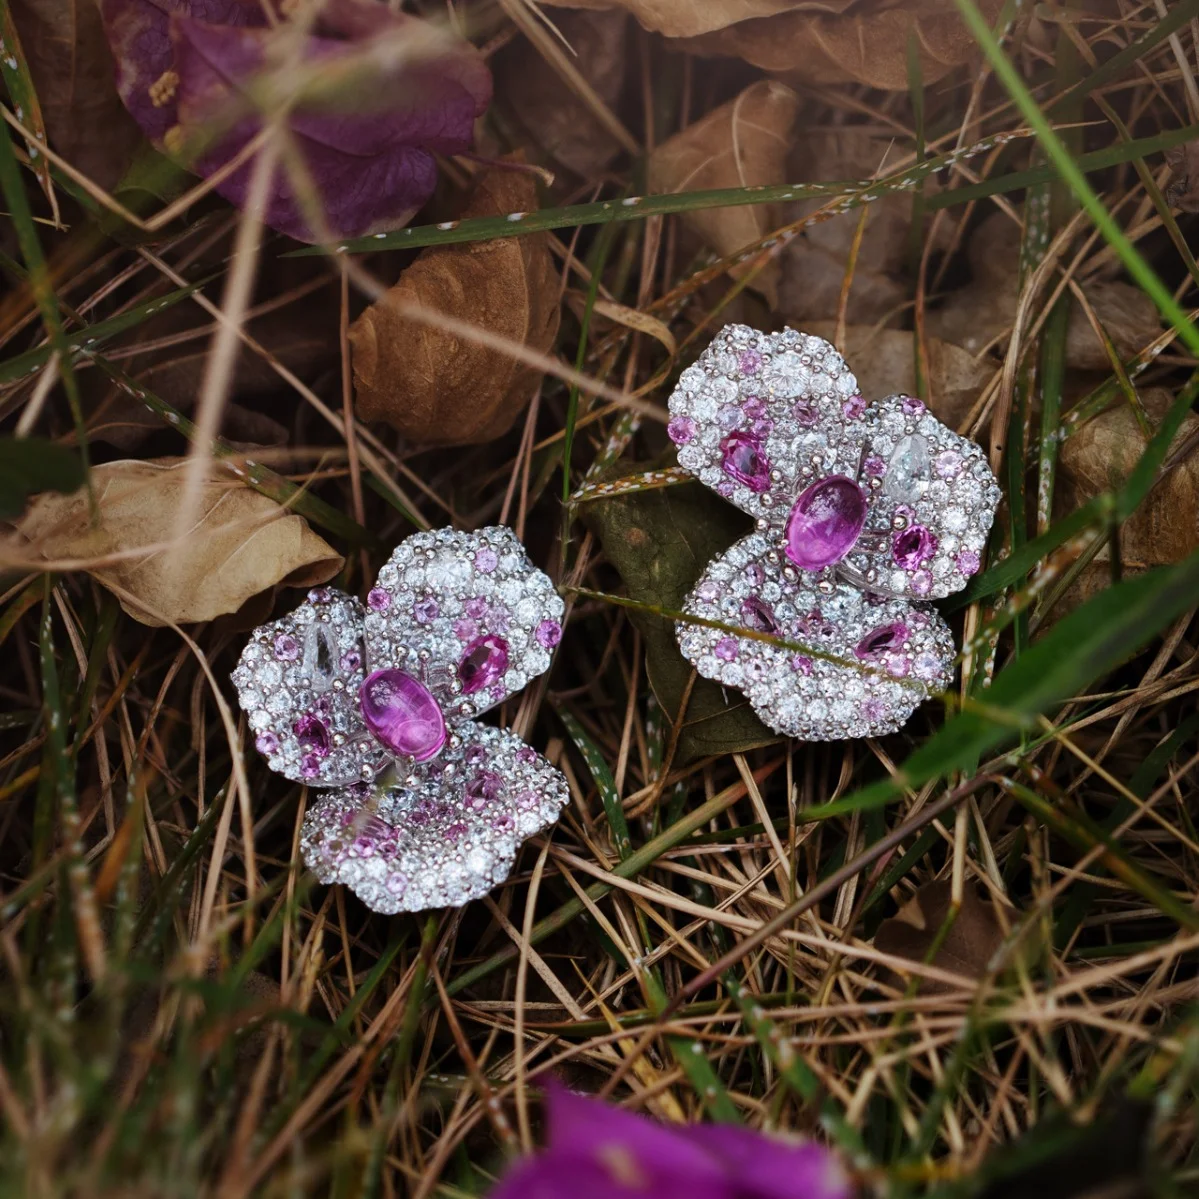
(402, 714)
(825, 522)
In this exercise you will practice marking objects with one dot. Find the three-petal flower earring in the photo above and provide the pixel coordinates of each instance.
(378, 702)
(863, 512)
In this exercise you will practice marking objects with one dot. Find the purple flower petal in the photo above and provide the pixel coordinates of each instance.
(186, 67)
(768, 1167)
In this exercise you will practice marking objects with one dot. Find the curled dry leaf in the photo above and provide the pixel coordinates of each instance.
(561, 123)
(434, 385)
(381, 92)
(885, 364)
(660, 542)
(814, 266)
(743, 143)
(982, 312)
(1183, 190)
(863, 43)
(687, 18)
(240, 544)
(1098, 457)
(967, 948)
(76, 87)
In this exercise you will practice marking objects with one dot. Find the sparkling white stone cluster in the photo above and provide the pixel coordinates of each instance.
(337, 691)
(861, 509)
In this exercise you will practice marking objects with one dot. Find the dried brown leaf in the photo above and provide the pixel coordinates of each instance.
(1100, 456)
(984, 310)
(73, 74)
(1183, 190)
(968, 946)
(241, 543)
(687, 18)
(814, 266)
(867, 44)
(428, 382)
(561, 123)
(884, 363)
(743, 143)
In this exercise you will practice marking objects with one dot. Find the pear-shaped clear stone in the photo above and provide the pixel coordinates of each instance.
(909, 470)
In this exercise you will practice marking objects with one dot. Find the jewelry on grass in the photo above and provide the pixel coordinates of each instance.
(863, 512)
(378, 702)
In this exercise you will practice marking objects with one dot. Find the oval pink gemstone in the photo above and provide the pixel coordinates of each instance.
(743, 459)
(825, 522)
(402, 714)
(483, 662)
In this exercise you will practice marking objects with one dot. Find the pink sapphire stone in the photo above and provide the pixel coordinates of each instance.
(743, 460)
(825, 522)
(881, 640)
(758, 616)
(483, 662)
(912, 546)
(402, 714)
(312, 734)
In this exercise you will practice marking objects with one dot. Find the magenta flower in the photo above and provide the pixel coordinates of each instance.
(396, 91)
(595, 1151)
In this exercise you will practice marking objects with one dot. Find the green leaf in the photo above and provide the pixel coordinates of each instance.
(660, 542)
(32, 464)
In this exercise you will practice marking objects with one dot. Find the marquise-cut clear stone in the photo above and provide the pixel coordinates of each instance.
(909, 470)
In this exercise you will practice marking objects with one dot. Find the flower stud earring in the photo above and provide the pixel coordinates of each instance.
(862, 511)
(377, 703)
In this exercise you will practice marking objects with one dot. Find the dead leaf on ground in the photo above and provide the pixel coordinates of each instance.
(984, 310)
(814, 265)
(884, 363)
(1098, 458)
(660, 542)
(76, 86)
(431, 384)
(968, 946)
(863, 43)
(241, 543)
(296, 335)
(1183, 190)
(686, 18)
(550, 110)
(743, 143)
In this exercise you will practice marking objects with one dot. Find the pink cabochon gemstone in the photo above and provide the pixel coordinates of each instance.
(402, 714)
(483, 662)
(742, 459)
(825, 522)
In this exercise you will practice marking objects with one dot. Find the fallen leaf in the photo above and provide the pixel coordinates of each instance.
(967, 948)
(240, 544)
(814, 265)
(984, 310)
(431, 384)
(743, 143)
(659, 543)
(685, 18)
(884, 364)
(1098, 457)
(296, 336)
(549, 109)
(382, 92)
(76, 87)
(867, 44)
(1183, 190)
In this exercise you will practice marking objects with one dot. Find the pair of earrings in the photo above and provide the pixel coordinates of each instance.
(863, 513)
